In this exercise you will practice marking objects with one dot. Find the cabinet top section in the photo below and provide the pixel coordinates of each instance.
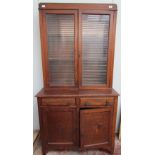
(96, 6)
(76, 93)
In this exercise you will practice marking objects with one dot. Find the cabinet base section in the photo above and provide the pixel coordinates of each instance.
(77, 123)
(45, 150)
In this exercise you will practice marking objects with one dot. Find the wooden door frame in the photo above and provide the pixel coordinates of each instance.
(111, 45)
(44, 45)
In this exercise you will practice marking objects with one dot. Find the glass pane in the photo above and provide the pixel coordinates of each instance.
(60, 31)
(95, 30)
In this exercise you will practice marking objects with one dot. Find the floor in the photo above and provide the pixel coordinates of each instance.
(117, 151)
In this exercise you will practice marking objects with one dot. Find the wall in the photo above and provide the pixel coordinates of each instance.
(37, 66)
(37, 72)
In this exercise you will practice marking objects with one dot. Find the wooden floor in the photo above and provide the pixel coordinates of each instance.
(91, 152)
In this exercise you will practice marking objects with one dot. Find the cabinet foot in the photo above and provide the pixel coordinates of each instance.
(112, 152)
(43, 151)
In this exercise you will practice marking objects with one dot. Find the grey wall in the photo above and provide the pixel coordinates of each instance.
(37, 66)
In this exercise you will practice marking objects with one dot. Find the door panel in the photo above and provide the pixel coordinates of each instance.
(61, 47)
(95, 30)
(95, 41)
(95, 128)
(59, 127)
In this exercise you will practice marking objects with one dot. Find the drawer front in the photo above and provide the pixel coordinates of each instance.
(93, 101)
(96, 101)
(58, 101)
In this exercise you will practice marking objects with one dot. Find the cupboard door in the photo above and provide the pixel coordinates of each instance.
(95, 128)
(61, 31)
(95, 48)
(59, 127)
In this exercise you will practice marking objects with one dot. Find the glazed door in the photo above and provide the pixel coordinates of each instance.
(96, 48)
(59, 47)
(95, 128)
(59, 127)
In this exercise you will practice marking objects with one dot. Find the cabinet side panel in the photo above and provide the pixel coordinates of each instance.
(43, 46)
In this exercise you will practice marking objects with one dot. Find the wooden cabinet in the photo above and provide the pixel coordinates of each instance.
(77, 106)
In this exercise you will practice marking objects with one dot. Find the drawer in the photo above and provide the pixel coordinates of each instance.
(93, 101)
(58, 101)
(96, 101)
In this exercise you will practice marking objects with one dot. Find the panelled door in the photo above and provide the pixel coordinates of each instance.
(95, 128)
(59, 47)
(95, 47)
(59, 127)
